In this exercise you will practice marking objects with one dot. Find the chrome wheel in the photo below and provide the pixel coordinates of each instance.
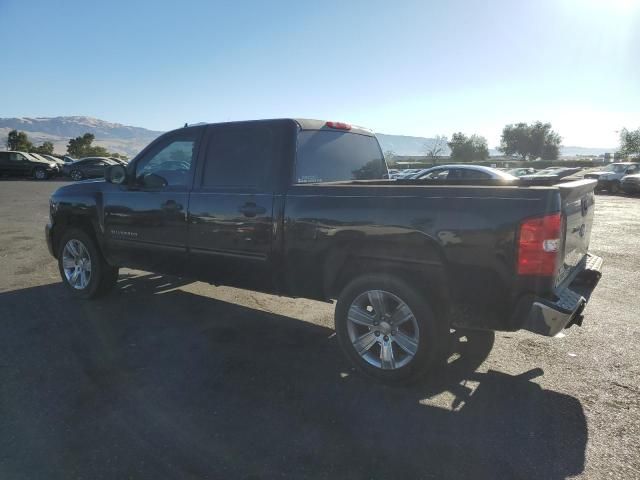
(383, 330)
(76, 175)
(76, 264)
(40, 174)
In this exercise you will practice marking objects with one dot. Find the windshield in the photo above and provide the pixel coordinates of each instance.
(616, 168)
(332, 156)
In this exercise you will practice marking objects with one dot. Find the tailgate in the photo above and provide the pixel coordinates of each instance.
(577, 210)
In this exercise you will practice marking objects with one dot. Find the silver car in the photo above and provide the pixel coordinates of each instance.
(464, 172)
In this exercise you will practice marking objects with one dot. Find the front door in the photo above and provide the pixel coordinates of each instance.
(231, 208)
(18, 164)
(146, 220)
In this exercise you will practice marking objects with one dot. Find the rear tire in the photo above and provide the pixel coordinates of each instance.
(83, 269)
(398, 344)
(614, 189)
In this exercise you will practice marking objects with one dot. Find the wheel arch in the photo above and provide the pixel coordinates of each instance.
(426, 271)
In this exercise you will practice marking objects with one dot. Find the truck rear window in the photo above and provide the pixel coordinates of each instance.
(330, 156)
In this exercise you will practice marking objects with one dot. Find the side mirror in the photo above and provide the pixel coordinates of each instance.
(116, 174)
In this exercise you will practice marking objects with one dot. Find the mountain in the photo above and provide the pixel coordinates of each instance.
(129, 140)
(114, 137)
(408, 146)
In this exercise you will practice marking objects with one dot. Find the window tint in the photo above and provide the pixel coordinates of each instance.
(330, 156)
(243, 154)
(171, 159)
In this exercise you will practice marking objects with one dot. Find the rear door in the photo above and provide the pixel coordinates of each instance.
(578, 204)
(231, 224)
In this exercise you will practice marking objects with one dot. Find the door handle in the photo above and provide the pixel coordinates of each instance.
(171, 205)
(250, 209)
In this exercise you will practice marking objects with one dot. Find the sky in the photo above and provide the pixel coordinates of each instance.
(414, 67)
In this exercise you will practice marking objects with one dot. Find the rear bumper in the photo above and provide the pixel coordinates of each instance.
(549, 318)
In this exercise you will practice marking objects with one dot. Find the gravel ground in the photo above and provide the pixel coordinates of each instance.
(170, 379)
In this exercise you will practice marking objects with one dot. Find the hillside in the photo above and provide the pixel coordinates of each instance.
(130, 140)
(58, 130)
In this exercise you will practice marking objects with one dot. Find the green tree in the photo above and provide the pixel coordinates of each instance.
(46, 148)
(18, 141)
(467, 149)
(79, 146)
(630, 142)
(119, 155)
(82, 147)
(537, 140)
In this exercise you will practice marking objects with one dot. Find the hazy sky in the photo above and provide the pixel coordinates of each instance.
(403, 67)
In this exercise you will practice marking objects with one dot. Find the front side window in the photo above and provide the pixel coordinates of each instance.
(170, 160)
(331, 156)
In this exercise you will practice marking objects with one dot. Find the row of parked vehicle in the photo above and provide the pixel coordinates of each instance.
(41, 166)
(615, 177)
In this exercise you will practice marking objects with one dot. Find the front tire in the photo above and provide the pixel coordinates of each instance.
(83, 269)
(388, 329)
(40, 174)
(76, 175)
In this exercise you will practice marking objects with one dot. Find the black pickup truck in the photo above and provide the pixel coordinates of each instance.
(304, 208)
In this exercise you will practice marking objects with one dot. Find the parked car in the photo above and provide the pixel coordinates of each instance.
(43, 158)
(59, 161)
(23, 164)
(463, 172)
(519, 172)
(88, 167)
(631, 183)
(609, 178)
(301, 208)
(552, 173)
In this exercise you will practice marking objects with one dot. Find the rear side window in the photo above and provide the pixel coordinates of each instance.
(331, 156)
(468, 174)
(243, 154)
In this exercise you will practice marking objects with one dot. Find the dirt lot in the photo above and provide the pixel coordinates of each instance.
(170, 379)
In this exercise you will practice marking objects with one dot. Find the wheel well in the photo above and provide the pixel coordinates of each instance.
(428, 279)
(63, 225)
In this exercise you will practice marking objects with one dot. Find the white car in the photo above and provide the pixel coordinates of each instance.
(464, 172)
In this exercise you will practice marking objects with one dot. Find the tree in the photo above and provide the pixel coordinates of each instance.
(18, 141)
(389, 156)
(118, 155)
(533, 141)
(630, 142)
(81, 147)
(436, 148)
(467, 149)
(46, 148)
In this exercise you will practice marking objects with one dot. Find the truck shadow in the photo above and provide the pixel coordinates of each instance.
(167, 384)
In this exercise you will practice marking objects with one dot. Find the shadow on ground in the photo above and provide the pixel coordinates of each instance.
(153, 382)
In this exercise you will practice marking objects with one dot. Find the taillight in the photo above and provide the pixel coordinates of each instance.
(338, 125)
(539, 245)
